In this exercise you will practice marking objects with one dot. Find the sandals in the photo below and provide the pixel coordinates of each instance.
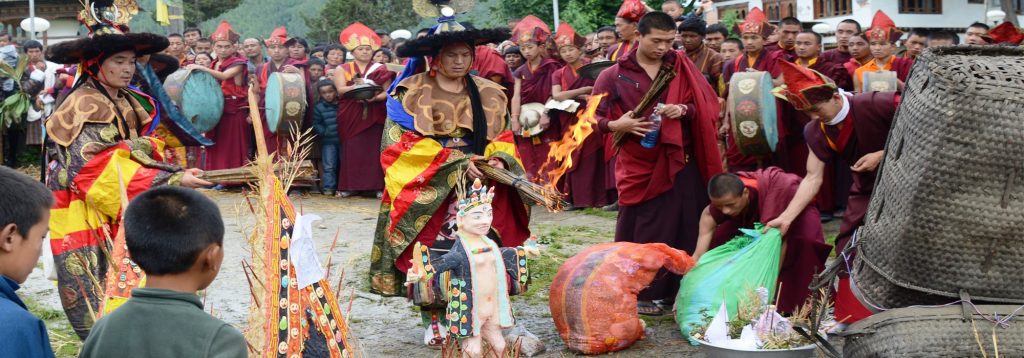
(649, 309)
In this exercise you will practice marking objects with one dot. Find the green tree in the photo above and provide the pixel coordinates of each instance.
(257, 18)
(377, 14)
(198, 11)
(584, 15)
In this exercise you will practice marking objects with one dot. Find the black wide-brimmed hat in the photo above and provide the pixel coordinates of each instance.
(431, 44)
(101, 45)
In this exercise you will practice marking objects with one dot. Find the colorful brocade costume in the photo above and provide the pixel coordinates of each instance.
(94, 150)
(425, 149)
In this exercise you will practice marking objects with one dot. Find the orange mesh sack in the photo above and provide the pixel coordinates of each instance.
(593, 296)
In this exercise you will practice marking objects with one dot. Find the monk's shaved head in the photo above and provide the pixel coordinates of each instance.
(725, 185)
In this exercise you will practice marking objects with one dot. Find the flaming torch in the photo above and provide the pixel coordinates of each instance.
(560, 157)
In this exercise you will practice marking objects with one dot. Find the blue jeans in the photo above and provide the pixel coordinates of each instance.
(329, 154)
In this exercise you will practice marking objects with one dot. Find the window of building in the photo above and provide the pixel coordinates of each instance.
(920, 6)
(831, 8)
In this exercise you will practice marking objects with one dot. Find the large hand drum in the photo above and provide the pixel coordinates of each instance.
(880, 81)
(285, 100)
(752, 106)
(199, 97)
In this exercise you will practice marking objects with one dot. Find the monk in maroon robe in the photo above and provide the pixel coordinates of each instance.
(231, 145)
(841, 54)
(361, 122)
(533, 85)
(742, 199)
(661, 189)
(280, 61)
(851, 127)
(754, 31)
(787, 29)
(585, 181)
(489, 64)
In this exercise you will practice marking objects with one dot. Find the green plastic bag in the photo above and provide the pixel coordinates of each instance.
(728, 272)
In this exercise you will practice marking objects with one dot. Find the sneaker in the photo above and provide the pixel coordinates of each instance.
(346, 194)
(329, 193)
(611, 207)
(380, 194)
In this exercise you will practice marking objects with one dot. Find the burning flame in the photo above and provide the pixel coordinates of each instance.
(572, 139)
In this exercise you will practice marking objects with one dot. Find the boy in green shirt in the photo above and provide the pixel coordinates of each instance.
(176, 236)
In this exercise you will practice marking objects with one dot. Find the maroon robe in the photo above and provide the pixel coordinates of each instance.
(620, 50)
(535, 87)
(263, 73)
(360, 127)
(771, 190)
(788, 55)
(488, 63)
(835, 56)
(766, 61)
(864, 131)
(584, 182)
(662, 190)
(231, 135)
(796, 150)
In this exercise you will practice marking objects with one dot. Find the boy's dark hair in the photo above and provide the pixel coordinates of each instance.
(817, 36)
(944, 35)
(725, 184)
(919, 32)
(191, 30)
(315, 61)
(167, 227)
(854, 22)
(608, 29)
(789, 20)
(204, 40)
(323, 83)
(5, 34)
(207, 54)
(733, 40)
(656, 20)
(512, 50)
(333, 47)
(317, 49)
(31, 44)
(719, 28)
(386, 52)
(22, 200)
(174, 35)
(981, 25)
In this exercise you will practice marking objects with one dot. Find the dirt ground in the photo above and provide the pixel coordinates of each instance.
(389, 326)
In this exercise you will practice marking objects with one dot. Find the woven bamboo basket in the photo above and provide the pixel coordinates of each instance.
(936, 332)
(947, 213)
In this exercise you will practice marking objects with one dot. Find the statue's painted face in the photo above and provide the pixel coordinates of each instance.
(476, 221)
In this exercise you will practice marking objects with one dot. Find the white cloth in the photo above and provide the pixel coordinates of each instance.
(842, 112)
(373, 67)
(302, 253)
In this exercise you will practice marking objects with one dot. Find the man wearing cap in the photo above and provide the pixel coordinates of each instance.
(626, 27)
(426, 147)
(585, 182)
(531, 90)
(882, 37)
(842, 125)
(754, 31)
(661, 189)
(360, 123)
(692, 29)
(280, 61)
(231, 148)
(102, 126)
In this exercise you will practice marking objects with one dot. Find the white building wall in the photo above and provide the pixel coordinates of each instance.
(956, 13)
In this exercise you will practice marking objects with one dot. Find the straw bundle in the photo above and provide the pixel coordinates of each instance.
(548, 197)
(658, 86)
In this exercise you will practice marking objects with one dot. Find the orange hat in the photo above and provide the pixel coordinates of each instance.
(530, 29)
(883, 29)
(357, 34)
(755, 23)
(1006, 33)
(632, 10)
(224, 32)
(278, 37)
(567, 36)
(805, 87)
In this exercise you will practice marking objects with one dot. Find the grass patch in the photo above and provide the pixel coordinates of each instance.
(600, 213)
(63, 339)
(831, 240)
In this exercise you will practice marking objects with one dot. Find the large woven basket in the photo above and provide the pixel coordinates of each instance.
(936, 332)
(947, 213)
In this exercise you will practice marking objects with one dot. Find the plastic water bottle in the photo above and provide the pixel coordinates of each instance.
(651, 138)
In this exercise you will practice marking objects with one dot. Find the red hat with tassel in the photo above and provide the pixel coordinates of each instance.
(224, 32)
(632, 10)
(756, 23)
(567, 36)
(883, 29)
(805, 87)
(531, 29)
